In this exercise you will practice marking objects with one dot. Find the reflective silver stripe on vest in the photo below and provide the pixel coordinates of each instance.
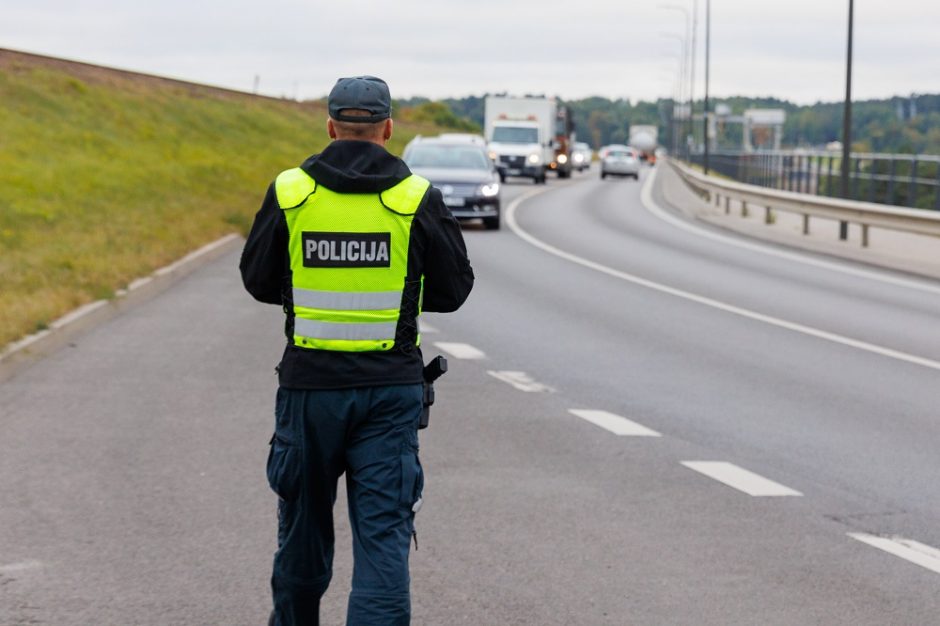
(338, 330)
(347, 300)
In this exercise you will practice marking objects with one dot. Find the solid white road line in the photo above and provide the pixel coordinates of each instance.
(424, 327)
(460, 350)
(19, 567)
(739, 478)
(715, 304)
(908, 549)
(614, 423)
(646, 197)
(520, 380)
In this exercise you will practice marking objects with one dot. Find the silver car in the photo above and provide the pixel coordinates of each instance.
(621, 162)
(581, 156)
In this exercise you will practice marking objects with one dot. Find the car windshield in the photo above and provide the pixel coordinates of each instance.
(448, 157)
(515, 134)
(620, 154)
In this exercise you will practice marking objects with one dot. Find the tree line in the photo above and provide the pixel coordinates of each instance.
(894, 125)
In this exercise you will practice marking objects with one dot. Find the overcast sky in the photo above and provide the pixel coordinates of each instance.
(793, 49)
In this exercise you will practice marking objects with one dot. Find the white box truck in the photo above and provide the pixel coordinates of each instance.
(521, 136)
(643, 137)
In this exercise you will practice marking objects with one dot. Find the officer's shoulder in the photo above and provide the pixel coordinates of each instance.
(417, 183)
(292, 187)
(423, 188)
(417, 178)
(407, 196)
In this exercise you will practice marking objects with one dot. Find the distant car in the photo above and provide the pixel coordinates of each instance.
(581, 156)
(621, 161)
(463, 172)
(602, 153)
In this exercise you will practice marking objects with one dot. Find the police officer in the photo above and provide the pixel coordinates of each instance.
(353, 246)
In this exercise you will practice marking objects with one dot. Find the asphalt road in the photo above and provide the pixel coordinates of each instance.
(132, 485)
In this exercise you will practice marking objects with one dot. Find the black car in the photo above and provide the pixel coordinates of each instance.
(461, 169)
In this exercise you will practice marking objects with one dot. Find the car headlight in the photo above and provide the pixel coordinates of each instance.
(578, 158)
(493, 155)
(534, 159)
(488, 191)
(562, 158)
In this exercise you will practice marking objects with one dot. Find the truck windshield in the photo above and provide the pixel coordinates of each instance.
(515, 134)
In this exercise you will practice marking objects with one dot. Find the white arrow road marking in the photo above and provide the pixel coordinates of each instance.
(460, 350)
(614, 423)
(740, 479)
(424, 327)
(520, 380)
(908, 549)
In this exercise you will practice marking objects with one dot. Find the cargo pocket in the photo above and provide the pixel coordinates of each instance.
(412, 479)
(284, 468)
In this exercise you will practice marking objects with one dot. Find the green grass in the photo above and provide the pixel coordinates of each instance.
(105, 179)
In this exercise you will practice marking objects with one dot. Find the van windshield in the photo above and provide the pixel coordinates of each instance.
(515, 134)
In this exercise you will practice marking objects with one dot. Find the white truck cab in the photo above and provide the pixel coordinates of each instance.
(520, 135)
(518, 149)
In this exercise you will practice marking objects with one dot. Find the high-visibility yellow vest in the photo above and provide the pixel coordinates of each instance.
(349, 260)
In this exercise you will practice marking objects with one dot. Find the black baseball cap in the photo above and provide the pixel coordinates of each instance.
(366, 93)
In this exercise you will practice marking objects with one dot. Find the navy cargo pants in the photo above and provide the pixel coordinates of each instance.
(371, 434)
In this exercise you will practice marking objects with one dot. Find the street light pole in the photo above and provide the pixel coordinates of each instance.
(677, 96)
(687, 69)
(683, 61)
(688, 156)
(708, 30)
(847, 126)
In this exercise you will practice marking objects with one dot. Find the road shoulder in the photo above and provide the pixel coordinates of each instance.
(912, 254)
(21, 354)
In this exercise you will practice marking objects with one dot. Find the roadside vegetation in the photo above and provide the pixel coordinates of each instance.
(105, 177)
(897, 125)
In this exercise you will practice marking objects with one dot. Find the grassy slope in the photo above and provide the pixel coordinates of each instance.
(105, 177)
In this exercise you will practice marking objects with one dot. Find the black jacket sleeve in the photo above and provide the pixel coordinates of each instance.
(264, 263)
(448, 277)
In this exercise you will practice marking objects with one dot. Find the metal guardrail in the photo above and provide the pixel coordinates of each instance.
(910, 180)
(865, 214)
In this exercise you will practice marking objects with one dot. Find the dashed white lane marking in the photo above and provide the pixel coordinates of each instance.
(908, 549)
(710, 302)
(424, 327)
(19, 567)
(646, 197)
(614, 423)
(460, 350)
(520, 380)
(740, 478)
